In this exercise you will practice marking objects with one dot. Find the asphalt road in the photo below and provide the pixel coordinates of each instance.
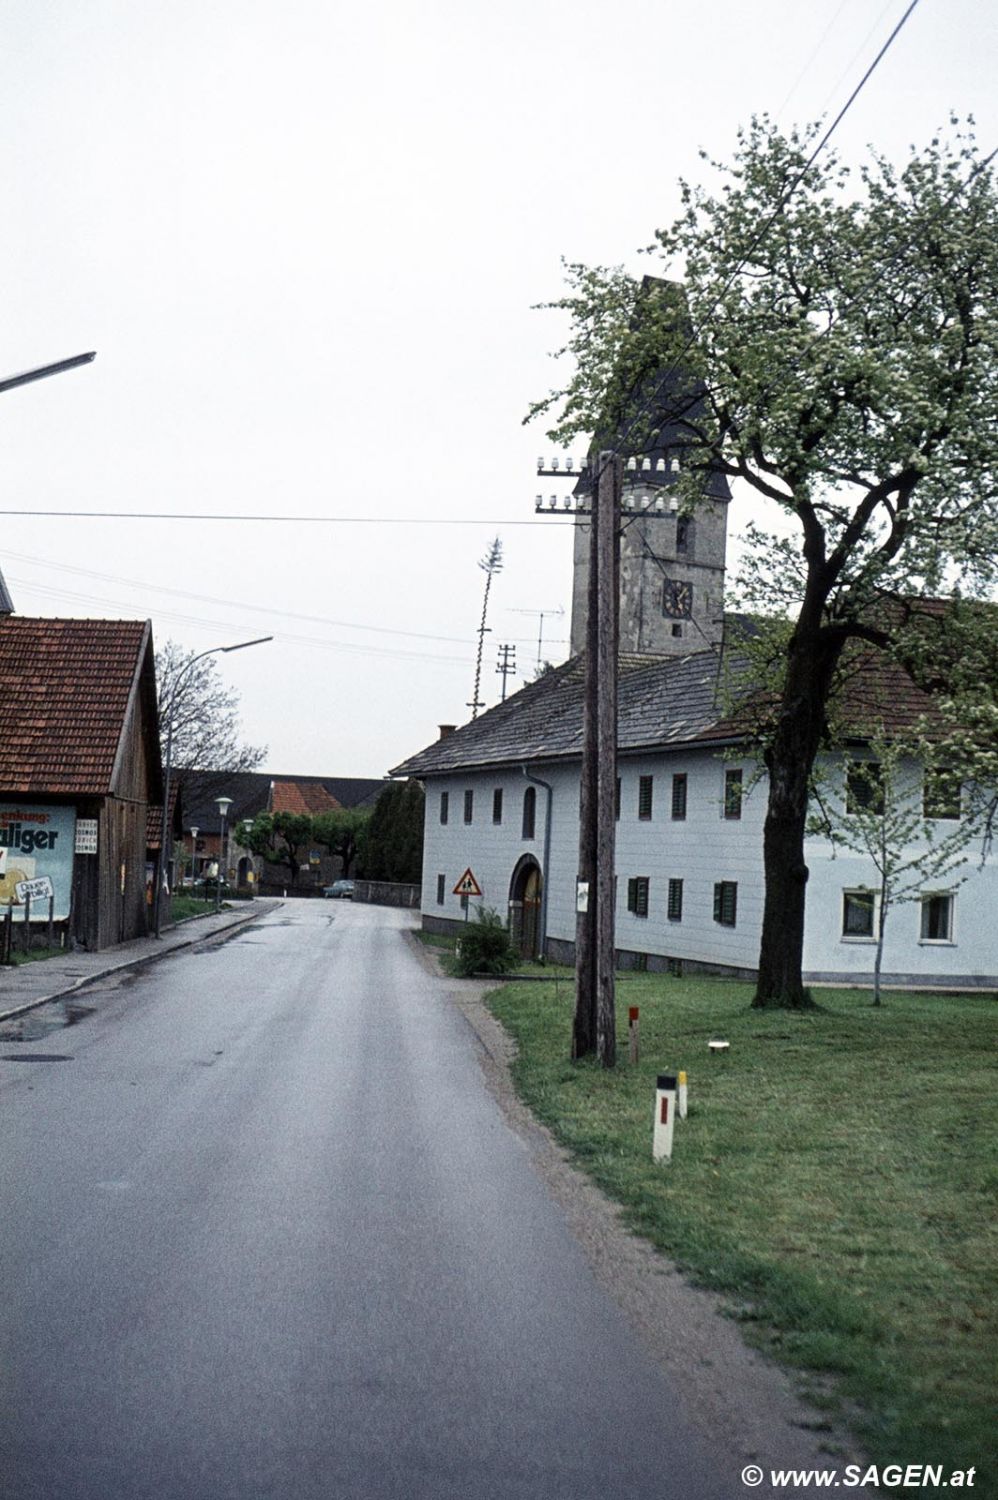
(265, 1233)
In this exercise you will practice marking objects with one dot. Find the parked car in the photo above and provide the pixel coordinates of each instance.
(340, 890)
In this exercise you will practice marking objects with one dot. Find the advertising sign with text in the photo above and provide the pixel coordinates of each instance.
(36, 843)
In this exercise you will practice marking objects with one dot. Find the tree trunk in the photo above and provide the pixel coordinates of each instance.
(881, 929)
(789, 759)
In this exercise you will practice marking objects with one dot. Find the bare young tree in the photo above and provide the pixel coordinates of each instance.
(203, 712)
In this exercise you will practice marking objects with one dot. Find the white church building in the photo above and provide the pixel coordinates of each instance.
(502, 794)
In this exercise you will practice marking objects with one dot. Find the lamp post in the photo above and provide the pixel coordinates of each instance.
(194, 854)
(223, 804)
(10, 381)
(164, 842)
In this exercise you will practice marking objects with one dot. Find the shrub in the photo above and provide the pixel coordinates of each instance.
(484, 946)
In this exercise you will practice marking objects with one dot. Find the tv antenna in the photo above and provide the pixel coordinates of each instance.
(541, 615)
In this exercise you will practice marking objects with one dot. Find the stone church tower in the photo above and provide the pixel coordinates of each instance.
(671, 565)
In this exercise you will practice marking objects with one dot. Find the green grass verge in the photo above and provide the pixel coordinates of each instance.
(442, 940)
(836, 1179)
(189, 906)
(36, 955)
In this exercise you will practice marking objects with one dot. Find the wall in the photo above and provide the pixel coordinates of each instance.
(968, 959)
(701, 850)
(386, 893)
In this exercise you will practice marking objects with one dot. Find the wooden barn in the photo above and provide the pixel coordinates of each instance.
(79, 769)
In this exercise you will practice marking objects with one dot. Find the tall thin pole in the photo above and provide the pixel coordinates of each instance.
(608, 610)
(490, 564)
(507, 665)
(594, 1027)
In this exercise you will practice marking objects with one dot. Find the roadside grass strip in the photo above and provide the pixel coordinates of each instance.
(836, 1179)
(182, 907)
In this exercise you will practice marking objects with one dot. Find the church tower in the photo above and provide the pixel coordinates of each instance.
(671, 560)
(671, 565)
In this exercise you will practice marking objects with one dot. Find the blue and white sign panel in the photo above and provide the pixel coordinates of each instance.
(36, 856)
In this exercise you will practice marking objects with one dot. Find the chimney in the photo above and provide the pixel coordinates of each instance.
(446, 729)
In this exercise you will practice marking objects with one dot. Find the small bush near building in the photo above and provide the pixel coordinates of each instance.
(484, 948)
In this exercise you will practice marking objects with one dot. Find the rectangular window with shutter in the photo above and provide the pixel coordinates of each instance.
(646, 786)
(497, 805)
(679, 796)
(726, 902)
(637, 895)
(674, 909)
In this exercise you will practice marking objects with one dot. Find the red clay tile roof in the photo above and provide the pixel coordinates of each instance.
(309, 797)
(65, 688)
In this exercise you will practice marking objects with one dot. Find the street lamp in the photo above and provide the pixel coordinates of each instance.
(223, 804)
(194, 854)
(164, 842)
(10, 381)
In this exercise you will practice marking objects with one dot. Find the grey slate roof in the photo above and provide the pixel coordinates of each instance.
(661, 701)
(250, 792)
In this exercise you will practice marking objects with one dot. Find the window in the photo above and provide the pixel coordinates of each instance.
(637, 895)
(864, 787)
(733, 793)
(444, 806)
(857, 914)
(684, 534)
(497, 805)
(441, 889)
(941, 795)
(616, 802)
(937, 919)
(679, 796)
(646, 786)
(529, 811)
(469, 806)
(674, 910)
(677, 631)
(726, 902)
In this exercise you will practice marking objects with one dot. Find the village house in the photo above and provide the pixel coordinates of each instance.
(503, 791)
(252, 793)
(79, 771)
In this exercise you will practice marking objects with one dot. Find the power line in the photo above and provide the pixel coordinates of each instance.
(644, 409)
(236, 604)
(155, 515)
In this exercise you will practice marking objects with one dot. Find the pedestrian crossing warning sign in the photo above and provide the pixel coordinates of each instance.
(467, 885)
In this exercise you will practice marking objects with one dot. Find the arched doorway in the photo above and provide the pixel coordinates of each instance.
(525, 893)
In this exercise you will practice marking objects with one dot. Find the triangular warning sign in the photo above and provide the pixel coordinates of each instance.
(467, 885)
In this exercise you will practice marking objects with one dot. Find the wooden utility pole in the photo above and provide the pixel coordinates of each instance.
(595, 1021)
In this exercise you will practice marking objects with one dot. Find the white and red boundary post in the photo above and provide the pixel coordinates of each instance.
(665, 1116)
(681, 1101)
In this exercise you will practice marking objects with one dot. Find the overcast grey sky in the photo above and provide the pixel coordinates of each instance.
(304, 239)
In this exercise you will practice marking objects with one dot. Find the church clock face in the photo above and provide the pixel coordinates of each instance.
(677, 599)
